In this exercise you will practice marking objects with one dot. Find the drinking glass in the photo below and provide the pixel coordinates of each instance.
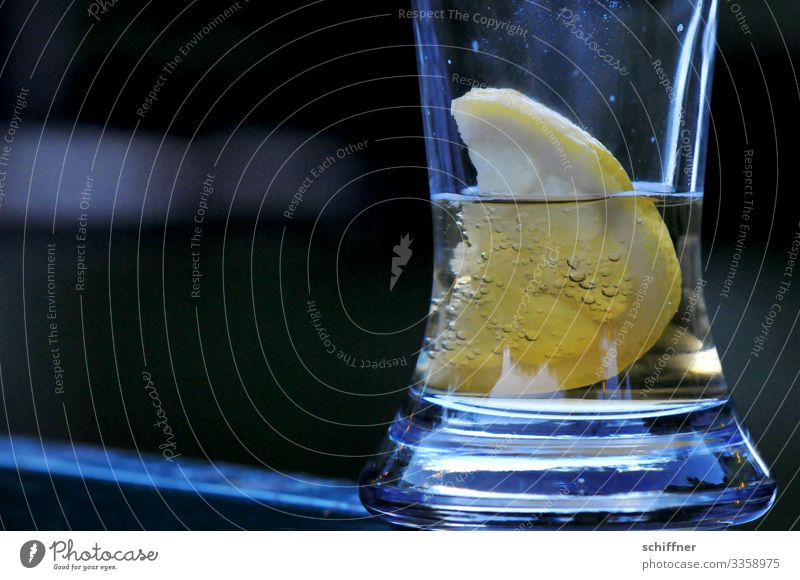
(568, 377)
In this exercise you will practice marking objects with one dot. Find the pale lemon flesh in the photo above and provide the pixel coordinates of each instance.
(565, 288)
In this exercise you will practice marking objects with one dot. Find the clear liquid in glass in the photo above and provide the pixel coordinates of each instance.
(514, 284)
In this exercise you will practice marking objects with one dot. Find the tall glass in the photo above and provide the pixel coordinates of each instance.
(569, 377)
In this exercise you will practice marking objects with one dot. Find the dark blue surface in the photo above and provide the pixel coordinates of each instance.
(56, 486)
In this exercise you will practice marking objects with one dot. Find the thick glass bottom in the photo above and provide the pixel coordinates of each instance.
(472, 463)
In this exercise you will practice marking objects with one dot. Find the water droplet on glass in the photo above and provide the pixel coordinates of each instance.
(588, 299)
(577, 276)
(613, 257)
(680, 27)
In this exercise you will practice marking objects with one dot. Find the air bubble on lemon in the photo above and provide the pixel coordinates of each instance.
(558, 294)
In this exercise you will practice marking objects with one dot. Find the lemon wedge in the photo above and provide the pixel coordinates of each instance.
(548, 296)
(521, 147)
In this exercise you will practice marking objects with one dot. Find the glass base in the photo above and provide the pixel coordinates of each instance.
(469, 462)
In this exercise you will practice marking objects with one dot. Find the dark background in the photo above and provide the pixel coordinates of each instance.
(272, 92)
